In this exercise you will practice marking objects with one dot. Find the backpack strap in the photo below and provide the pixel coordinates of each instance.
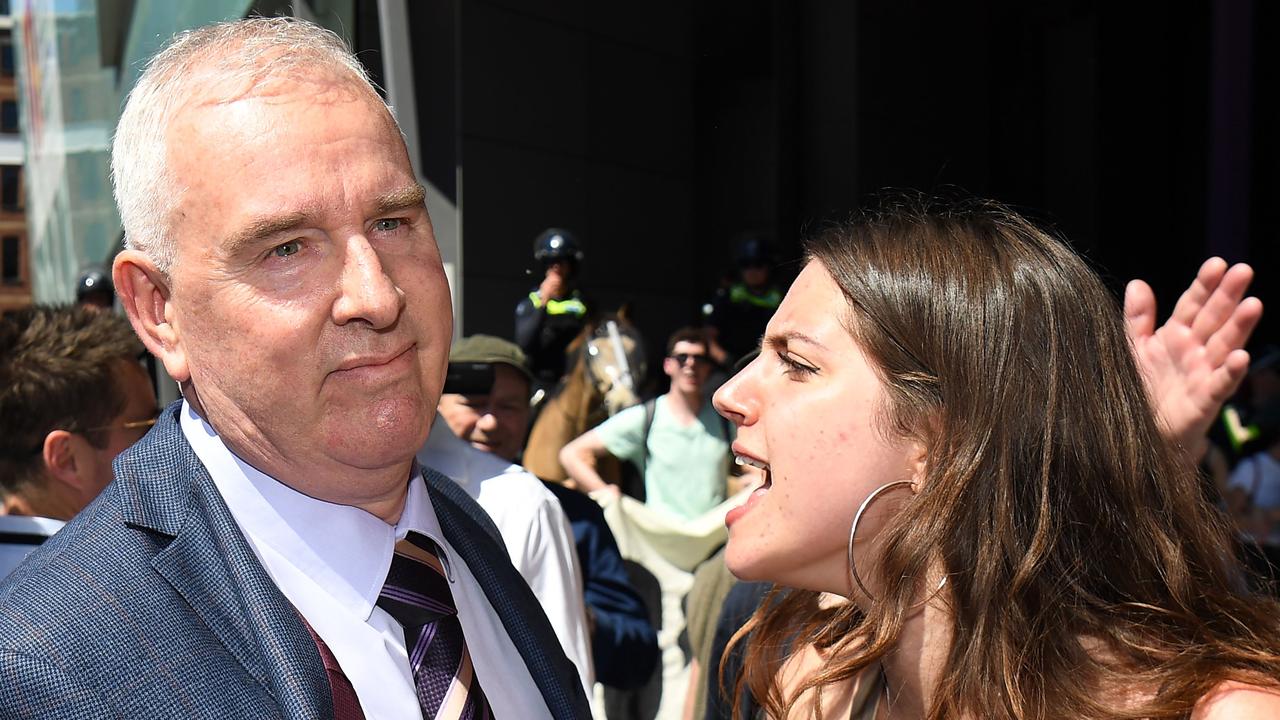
(650, 409)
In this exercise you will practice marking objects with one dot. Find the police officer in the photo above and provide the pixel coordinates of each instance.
(737, 316)
(554, 313)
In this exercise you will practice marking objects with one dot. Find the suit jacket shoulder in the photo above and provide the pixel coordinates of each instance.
(151, 604)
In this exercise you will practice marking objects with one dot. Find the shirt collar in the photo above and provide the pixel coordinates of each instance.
(458, 460)
(344, 549)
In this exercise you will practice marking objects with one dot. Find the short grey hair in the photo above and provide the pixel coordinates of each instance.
(241, 53)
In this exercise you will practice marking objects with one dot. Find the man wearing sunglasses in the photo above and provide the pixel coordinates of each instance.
(678, 441)
(72, 396)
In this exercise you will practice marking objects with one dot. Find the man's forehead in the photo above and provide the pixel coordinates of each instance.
(688, 346)
(515, 380)
(213, 142)
(224, 104)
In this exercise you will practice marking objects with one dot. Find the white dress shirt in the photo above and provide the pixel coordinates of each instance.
(331, 560)
(538, 536)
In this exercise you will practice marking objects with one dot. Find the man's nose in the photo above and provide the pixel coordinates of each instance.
(366, 291)
(487, 421)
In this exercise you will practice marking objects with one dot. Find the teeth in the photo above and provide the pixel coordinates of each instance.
(744, 460)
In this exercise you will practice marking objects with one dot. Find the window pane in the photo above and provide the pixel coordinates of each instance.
(9, 186)
(9, 116)
(12, 273)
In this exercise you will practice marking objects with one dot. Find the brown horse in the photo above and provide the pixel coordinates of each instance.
(605, 378)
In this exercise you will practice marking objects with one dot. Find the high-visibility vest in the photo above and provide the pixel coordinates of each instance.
(568, 306)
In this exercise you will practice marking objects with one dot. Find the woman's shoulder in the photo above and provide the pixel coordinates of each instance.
(1238, 701)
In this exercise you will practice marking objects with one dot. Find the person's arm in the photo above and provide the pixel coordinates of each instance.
(625, 644)
(1196, 360)
(579, 461)
(556, 580)
(529, 319)
(690, 694)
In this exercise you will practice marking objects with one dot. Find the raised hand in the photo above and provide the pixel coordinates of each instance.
(1196, 360)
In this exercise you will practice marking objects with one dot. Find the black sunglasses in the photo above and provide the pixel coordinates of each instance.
(683, 358)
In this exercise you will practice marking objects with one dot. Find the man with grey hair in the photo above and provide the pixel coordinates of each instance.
(271, 549)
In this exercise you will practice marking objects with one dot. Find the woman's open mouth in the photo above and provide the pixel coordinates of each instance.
(733, 515)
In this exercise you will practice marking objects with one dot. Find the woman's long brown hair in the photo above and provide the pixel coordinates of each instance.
(1087, 576)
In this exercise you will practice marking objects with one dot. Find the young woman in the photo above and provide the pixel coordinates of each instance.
(958, 441)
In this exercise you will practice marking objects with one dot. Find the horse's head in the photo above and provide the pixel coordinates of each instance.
(615, 363)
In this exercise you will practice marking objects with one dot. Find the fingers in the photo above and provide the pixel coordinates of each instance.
(1193, 299)
(1234, 333)
(1226, 378)
(1139, 310)
(1223, 302)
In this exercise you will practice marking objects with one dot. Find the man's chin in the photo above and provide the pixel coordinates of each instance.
(379, 434)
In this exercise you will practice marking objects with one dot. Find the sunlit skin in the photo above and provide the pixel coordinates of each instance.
(496, 422)
(811, 408)
(307, 315)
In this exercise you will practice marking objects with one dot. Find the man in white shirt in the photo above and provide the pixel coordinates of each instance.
(280, 263)
(537, 534)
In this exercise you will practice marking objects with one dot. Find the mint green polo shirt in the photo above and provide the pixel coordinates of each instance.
(687, 465)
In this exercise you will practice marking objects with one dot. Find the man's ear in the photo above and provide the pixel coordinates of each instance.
(62, 459)
(145, 296)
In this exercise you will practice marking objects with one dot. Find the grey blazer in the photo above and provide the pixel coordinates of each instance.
(150, 604)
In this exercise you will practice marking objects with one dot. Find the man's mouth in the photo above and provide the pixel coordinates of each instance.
(373, 360)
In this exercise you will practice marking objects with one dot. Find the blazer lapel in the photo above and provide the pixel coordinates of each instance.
(165, 489)
(516, 605)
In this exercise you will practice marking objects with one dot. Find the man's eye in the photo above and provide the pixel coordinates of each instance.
(290, 248)
(387, 224)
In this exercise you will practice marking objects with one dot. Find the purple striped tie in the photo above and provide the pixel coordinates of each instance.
(417, 595)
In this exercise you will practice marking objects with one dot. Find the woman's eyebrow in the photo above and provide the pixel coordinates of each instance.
(785, 338)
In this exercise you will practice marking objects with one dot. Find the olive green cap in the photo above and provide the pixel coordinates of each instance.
(490, 349)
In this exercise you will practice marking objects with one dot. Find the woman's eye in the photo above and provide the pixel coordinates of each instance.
(795, 368)
(290, 248)
(387, 224)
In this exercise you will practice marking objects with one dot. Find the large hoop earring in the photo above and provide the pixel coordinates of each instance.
(853, 530)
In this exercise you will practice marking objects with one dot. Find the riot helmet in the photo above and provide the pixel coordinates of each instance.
(752, 251)
(555, 244)
(93, 287)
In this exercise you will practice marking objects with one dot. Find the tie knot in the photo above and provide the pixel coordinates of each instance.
(417, 589)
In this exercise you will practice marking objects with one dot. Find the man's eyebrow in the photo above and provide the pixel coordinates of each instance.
(262, 228)
(782, 339)
(408, 197)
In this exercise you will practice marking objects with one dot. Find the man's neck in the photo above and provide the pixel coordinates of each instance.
(684, 403)
(39, 504)
(333, 484)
